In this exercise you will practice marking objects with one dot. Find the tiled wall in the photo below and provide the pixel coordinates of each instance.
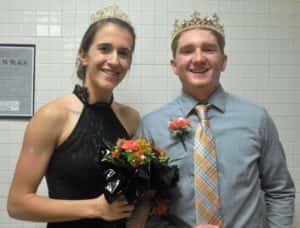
(262, 43)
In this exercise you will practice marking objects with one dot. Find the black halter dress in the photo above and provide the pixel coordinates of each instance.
(74, 170)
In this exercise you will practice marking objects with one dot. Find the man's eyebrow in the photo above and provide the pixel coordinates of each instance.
(186, 46)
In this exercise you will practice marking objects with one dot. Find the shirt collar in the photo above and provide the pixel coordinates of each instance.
(217, 100)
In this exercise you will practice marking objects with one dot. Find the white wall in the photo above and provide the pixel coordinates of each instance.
(262, 43)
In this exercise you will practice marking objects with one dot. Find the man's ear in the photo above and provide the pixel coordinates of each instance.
(224, 64)
(83, 57)
(173, 65)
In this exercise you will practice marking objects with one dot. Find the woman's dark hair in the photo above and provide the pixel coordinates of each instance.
(89, 35)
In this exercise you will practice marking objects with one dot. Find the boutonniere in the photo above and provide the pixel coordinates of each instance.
(179, 128)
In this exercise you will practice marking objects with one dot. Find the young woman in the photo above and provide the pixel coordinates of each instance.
(63, 138)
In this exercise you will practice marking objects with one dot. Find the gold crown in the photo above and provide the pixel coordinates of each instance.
(110, 12)
(196, 21)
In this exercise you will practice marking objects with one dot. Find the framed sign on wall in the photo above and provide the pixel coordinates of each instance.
(17, 77)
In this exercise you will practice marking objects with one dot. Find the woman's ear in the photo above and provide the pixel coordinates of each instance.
(83, 57)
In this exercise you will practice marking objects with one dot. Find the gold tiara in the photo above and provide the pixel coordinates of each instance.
(110, 12)
(196, 21)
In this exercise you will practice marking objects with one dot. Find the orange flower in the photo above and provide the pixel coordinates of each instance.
(179, 127)
(115, 154)
(143, 144)
(184, 122)
(173, 125)
(160, 208)
(129, 145)
(179, 123)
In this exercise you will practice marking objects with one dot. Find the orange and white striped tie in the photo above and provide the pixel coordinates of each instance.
(207, 200)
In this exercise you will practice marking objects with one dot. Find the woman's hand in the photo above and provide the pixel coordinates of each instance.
(118, 209)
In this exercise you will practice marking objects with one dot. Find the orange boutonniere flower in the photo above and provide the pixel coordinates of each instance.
(179, 128)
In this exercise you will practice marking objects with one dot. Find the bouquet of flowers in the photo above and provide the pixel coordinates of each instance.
(135, 168)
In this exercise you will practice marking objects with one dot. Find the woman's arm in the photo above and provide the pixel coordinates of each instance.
(129, 117)
(41, 137)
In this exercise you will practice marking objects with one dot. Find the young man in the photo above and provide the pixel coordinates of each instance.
(247, 155)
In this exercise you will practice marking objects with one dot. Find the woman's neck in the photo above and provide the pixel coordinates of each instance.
(97, 94)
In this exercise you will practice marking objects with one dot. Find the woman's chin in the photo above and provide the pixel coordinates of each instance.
(109, 85)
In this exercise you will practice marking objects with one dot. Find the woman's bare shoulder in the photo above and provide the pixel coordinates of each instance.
(129, 116)
(126, 109)
(56, 112)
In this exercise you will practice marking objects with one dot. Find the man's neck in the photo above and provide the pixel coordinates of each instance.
(201, 94)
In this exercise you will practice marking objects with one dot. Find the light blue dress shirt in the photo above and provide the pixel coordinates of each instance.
(250, 160)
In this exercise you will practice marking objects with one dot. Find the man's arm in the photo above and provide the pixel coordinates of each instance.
(276, 180)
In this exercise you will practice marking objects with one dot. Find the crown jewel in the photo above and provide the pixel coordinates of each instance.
(110, 12)
(196, 21)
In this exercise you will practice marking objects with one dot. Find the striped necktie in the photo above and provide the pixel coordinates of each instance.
(207, 201)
